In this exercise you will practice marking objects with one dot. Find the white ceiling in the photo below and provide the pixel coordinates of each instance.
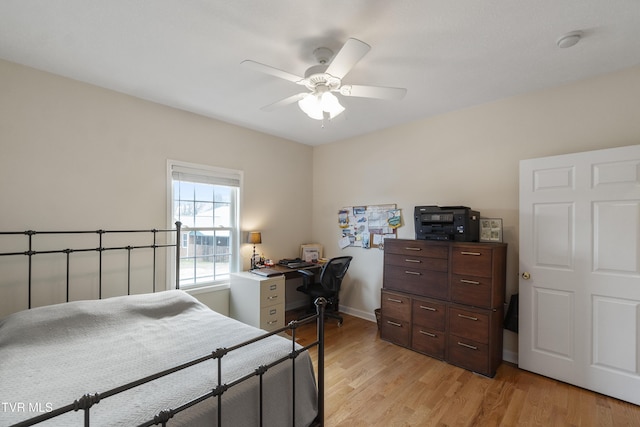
(449, 54)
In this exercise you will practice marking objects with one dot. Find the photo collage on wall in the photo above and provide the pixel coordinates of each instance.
(367, 226)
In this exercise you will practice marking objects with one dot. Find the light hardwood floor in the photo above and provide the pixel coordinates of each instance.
(370, 382)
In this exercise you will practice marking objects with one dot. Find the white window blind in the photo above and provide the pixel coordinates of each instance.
(212, 176)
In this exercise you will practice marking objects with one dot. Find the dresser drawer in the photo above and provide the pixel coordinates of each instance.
(428, 341)
(471, 290)
(395, 330)
(412, 262)
(396, 306)
(417, 281)
(271, 292)
(416, 248)
(429, 314)
(473, 325)
(471, 260)
(469, 354)
(272, 317)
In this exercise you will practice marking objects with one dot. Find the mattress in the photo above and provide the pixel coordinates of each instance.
(51, 356)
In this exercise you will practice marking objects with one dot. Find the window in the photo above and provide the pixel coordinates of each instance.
(205, 201)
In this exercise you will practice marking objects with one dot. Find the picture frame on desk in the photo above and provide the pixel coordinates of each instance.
(256, 259)
(491, 230)
(311, 252)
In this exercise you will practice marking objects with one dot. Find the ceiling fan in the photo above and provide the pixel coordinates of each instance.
(324, 79)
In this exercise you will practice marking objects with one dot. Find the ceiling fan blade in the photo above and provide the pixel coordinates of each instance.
(379, 92)
(284, 102)
(352, 52)
(270, 70)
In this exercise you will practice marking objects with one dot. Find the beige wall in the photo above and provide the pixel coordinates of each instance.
(469, 157)
(75, 156)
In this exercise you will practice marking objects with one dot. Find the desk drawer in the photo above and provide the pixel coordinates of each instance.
(272, 292)
(272, 317)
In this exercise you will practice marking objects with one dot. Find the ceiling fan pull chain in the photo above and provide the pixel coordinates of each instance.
(325, 116)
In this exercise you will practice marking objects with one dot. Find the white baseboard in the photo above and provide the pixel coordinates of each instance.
(510, 356)
(343, 309)
(358, 313)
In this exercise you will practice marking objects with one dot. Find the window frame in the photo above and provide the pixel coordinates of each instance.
(215, 173)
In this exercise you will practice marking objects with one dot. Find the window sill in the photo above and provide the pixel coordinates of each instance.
(195, 290)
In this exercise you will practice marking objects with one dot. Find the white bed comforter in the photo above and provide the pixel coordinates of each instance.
(51, 356)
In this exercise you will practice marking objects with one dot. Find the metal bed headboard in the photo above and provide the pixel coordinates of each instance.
(30, 253)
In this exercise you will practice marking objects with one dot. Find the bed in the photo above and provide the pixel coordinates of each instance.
(155, 358)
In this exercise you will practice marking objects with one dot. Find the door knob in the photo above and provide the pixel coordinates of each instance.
(526, 275)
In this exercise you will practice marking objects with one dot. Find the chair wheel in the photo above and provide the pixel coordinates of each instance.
(339, 323)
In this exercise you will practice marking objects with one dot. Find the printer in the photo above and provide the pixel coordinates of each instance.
(458, 223)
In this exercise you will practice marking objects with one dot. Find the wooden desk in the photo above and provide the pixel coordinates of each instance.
(292, 273)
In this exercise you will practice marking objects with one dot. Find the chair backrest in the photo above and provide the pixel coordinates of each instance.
(333, 272)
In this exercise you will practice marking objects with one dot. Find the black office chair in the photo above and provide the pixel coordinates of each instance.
(327, 286)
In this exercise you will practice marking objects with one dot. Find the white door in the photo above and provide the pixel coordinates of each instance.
(580, 270)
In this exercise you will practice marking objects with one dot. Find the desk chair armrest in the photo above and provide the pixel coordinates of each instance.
(306, 273)
(307, 277)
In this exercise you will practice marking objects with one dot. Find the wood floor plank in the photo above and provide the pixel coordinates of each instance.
(370, 382)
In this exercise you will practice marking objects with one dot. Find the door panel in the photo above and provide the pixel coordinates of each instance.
(553, 233)
(617, 350)
(580, 250)
(554, 322)
(616, 234)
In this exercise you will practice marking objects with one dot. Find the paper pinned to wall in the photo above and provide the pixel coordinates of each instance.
(367, 226)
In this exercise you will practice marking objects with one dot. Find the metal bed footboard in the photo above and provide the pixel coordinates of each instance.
(86, 401)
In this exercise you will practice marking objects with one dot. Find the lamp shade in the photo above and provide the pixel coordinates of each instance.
(254, 237)
(316, 105)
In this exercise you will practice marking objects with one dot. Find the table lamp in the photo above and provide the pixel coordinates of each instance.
(254, 237)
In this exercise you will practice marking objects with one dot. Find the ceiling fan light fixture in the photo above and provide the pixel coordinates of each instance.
(315, 105)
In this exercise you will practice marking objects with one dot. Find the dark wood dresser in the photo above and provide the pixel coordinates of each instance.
(446, 300)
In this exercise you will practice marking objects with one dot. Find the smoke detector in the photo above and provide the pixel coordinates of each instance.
(569, 39)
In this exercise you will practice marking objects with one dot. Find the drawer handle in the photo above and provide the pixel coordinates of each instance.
(417, 261)
(399, 325)
(472, 347)
(415, 273)
(273, 287)
(272, 297)
(275, 321)
(394, 300)
(469, 282)
(429, 334)
(468, 317)
(424, 307)
(413, 249)
(470, 253)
